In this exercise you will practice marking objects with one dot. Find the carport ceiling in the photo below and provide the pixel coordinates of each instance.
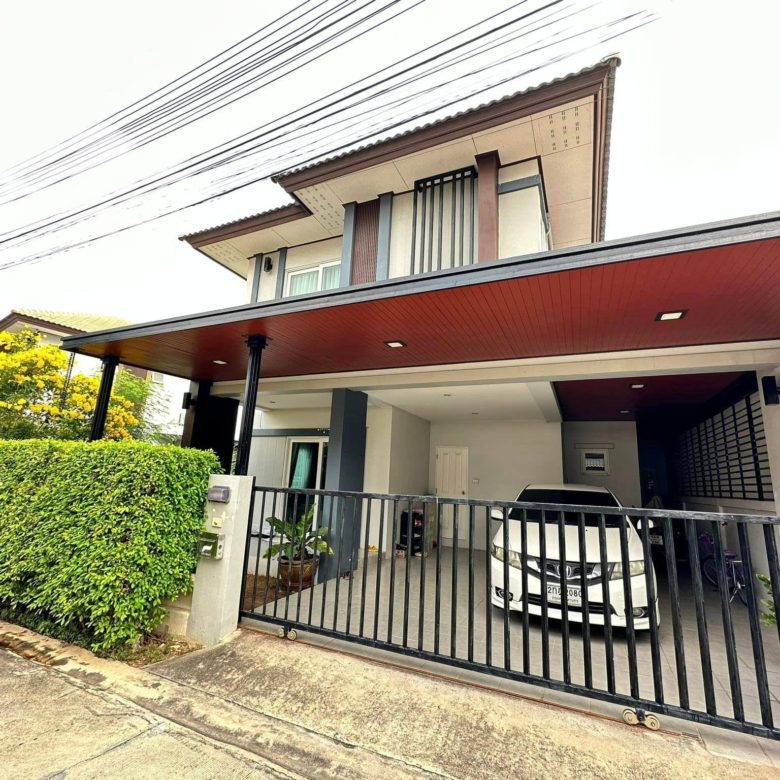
(512, 401)
(616, 399)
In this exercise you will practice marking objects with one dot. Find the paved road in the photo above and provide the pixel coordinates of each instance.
(264, 707)
(53, 727)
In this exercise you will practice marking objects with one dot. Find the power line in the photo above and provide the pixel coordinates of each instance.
(285, 122)
(331, 149)
(188, 104)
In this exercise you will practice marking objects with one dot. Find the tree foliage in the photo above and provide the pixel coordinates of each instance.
(41, 398)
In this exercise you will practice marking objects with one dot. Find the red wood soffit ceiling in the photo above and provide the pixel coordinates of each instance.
(626, 398)
(730, 293)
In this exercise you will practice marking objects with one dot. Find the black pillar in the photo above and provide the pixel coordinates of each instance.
(110, 362)
(344, 471)
(210, 423)
(255, 345)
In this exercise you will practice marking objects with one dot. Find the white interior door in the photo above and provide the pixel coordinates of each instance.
(452, 481)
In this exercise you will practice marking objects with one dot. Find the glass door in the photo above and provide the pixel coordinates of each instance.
(306, 462)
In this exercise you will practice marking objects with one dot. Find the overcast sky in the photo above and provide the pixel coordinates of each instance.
(694, 134)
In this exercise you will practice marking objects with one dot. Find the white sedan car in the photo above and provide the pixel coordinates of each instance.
(570, 577)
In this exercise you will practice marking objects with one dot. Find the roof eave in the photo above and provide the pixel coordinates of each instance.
(594, 80)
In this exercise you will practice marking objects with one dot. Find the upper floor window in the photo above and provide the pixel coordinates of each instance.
(302, 281)
(443, 221)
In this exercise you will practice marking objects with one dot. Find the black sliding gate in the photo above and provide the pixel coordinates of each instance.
(659, 611)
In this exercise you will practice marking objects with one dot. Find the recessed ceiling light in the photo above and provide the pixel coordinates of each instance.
(395, 344)
(625, 411)
(665, 316)
(638, 386)
(220, 362)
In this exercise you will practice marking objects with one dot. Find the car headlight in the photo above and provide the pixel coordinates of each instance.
(498, 554)
(635, 568)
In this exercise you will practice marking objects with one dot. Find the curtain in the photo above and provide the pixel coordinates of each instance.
(302, 460)
(300, 284)
(331, 276)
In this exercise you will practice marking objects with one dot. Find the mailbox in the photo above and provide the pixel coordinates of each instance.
(210, 545)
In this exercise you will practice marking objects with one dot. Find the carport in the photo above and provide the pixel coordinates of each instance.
(685, 304)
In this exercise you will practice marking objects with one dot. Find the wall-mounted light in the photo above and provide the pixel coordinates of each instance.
(268, 264)
(638, 386)
(625, 411)
(219, 362)
(395, 344)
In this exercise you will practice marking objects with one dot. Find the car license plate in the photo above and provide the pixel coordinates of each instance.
(573, 595)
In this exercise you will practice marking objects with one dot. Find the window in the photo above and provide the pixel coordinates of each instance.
(313, 279)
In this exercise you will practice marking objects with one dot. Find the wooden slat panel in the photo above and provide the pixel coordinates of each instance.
(730, 293)
(365, 243)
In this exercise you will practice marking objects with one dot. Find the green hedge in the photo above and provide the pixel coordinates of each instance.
(94, 536)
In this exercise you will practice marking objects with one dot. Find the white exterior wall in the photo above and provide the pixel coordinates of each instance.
(521, 228)
(619, 438)
(504, 455)
(298, 257)
(401, 236)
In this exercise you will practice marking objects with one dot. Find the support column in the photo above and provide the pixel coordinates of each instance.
(347, 245)
(255, 345)
(110, 362)
(344, 471)
(487, 206)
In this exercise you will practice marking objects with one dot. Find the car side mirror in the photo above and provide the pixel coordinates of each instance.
(497, 514)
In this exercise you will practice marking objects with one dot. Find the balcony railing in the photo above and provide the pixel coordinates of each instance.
(444, 221)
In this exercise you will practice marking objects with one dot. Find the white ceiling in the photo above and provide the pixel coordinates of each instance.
(505, 401)
(490, 402)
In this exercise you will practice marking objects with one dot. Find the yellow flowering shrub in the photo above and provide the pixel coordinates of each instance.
(39, 399)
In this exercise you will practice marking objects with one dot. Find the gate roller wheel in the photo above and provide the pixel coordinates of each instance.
(280, 632)
(630, 717)
(652, 722)
(292, 634)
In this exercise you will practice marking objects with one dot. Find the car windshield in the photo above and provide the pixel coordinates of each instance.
(562, 496)
(572, 497)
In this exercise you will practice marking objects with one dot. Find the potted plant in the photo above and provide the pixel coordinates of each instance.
(298, 549)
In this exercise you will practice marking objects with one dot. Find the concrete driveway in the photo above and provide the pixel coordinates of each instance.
(266, 707)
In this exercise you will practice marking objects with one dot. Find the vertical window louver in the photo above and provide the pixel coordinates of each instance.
(444, 221)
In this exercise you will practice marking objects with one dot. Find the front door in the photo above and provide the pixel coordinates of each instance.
(452, 481)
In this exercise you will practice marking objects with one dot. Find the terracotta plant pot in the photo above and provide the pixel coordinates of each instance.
(295, 575)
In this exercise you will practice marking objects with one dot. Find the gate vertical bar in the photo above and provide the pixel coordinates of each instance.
(701, 617)
(728, 628)
(605, 575)
(755, 627)
(674, 599)
(587, 660)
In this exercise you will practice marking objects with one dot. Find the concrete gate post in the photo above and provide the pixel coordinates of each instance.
(218, 580)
